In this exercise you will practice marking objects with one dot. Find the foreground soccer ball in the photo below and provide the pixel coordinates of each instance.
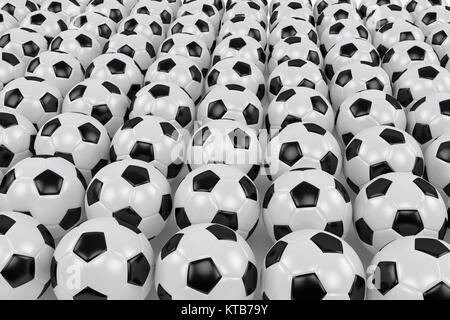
(26, 251)
(397, 205)
(24, 43)
(428, 19)
(218, 193)
(410, 268)
(437, 163)
(306, 198)
(132, 191)
(11, 67)
(47, 23)
(49, 189)
(90, 250)
(195, 264)
(95, 23)
(332, 269)
(379, 150)
(149, 26)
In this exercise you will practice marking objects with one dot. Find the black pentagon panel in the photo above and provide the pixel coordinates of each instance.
(440, 291)
(426, 187)
(358, 289)
(287, 120)
(181, 218)
(6, 156)
(319, 104)
(275, 253)
(249, 188)
(89, 133)
(84, 41)
(305, 195)
(352, 149)
(216, 109)
(251, 114)
(102, 113)
(250, 278)
(7, 181)
(365, 233)
(166, 206)
(90, 245)
(19, 270)
(169, 130)
(93, 192)
(222, 233)
(162, 293)
(71, 218)
(443, 152)
(428, 72)
(115, 66)
(138, 270)
(89, 294)
(329, 163)
(10, 58)
(392, 136)
(13, 98)
(128, 215)
(418, 168)
(341, 189)
(142, 151)
(48, 183)
(422, 133)
(290, 153)
(5, 224)
(46, 235)
(196, 74)
(432, 247)
(171, 245)
(183, 116)
(239, 138)
(49, 102)
(307, 287)
(194, 49)
(203, 275)
(336, 228)
(327, 243)
(378, 169)
(387, 274)
(226, 218)
(378, 188)
(242, 69)
(344, 77)
(275, 85)
(404, 96)
(50, 127)
(407, 222)
(62, 70)
(268, 196)
(348, 50)
(279, 231)
(7, 120)
(205, 181)
(360, 107)
(127, 50)
(314, 128)
(166, 65)
(77, 92)
(285, 95)
(159, 91)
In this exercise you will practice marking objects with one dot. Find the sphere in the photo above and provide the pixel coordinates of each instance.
(433, 16)
(332, 270)
(36, 99)
(9, 22)
(150, 139)
(218, 193)
(439, 39)
(159, 9)
(292, 27)
(90, 250)
(302, 145)
(198, 26)
(410, 268)
(232, 102)
(66, 9)
(49, 189)
(118, 69)
(242, 25)
(26, 251)
(225, 141)
(251, 10)
(113, 9)
(437, 159)
(296, 73)
(288, 9)
(206, 261)
(24, 43)
(47, 23)
(299, 104)
(367, 109)
(149, 26)
(179, 70)
(207, 11)
(385, 14)
(367, 6)
(19, 9)
(95, 23)
(415, 7)
(379, 150)
(335, 13)
(11, 67)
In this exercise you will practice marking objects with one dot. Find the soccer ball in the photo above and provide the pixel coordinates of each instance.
(19, 9)
(331, 269)
(195, 264)
(403, 54)
(113, 9)
(47, 23)
(379, 150)
(149, 26)
(437, 159)
(366, 109)
(242, 25)
(36, 99)
(415, 7)
(306, 198)
(355, 77)
(231, 102)
(346, 51)
(299, 104)
(397, 205)
(225, 141)
(302, 145)
(8, 22)
(11, 67)
(99, 99)
(24, 43)
(93, 248)
(288, 9)
(296, 73)
(343, 30)
(198, 26)
(236, 71)
(218, 193)
(119, 69)
(321, 5)
(160, 9)
(131, 191)
(292, 48)
(206, 11)
(439, 39)
(189, 46)
(367, 6)
(79, 44)
(150, 139)
(49, 189)
(335, 13)
(292, 27)
(60, 69)
(66, 9)
(179, 70)
(249, 9)
(410, 268)
(241, 47)
(165, 100)
(96, 24)
(420, 80)
(434, 16)
(78, 138)
(394, 32)
(384, 14)
(26, 252)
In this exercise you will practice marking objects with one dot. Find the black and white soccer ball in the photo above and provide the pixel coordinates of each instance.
(60, 69)
(439, 39)
(119, 69)
(299, 104)
(288, 9)
(218, 193)
(384, 14)
(228, 142)
(195, 264)
(296, 73)
(379, 150)
(251, 10)
(49, 189)
(306, 198)
(24, 43)
(11, 67)
(236, 71)
(396, 205)
(66, 9)
(410, 269)
(25, 273)
(90, 250)
(150, 139)
(165, 100)
(113, 9)
(334, 13)
(47, 23)
(366, 109)
(242, 25)
(437, 164)
(8, 22)
(179, 70)
(292, 27)
(429, 19)
(161, 9)
(19, 9)
(207, 11)
(332, 270)
(149, 26)
(302, 145)
(367, 6)
(95, 23)
(131, 191)
(198, 26)
(231, 102)
(415, 7)
(355, 77)
(321, 5)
